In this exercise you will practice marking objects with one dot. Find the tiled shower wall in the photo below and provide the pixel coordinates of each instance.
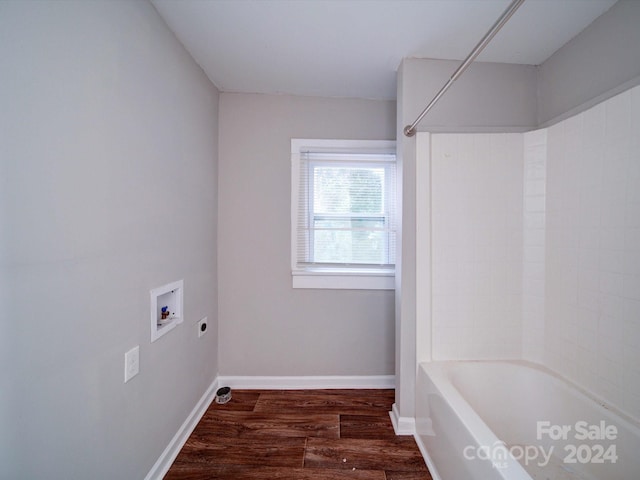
(533, 259)
(536, 248)
(592, 295)
(477, 221)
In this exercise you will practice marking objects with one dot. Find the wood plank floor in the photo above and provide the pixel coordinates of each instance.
(299, 435)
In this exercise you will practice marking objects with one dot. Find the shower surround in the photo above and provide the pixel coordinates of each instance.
(535, 248)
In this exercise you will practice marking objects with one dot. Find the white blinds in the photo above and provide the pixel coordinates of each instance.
(346, 210)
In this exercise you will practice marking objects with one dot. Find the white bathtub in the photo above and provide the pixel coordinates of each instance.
(517, 421)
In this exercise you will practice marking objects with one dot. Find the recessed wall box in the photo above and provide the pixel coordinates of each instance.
(166, 308)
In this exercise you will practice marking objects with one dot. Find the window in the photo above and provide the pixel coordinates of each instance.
(343, 214)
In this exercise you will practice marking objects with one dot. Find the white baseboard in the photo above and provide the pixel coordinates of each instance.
(402, 425)
(162, 465)
(306, 382)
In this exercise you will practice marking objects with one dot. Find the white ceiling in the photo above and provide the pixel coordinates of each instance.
(352, 48)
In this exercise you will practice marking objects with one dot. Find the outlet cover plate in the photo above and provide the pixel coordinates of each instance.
(131, 363)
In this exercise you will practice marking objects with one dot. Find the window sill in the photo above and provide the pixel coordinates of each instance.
(344, 280)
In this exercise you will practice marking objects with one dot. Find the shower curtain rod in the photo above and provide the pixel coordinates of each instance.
(410, 130)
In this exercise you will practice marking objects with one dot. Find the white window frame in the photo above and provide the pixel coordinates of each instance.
(333, 277)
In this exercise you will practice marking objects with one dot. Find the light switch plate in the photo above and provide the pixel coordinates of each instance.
(131, 363)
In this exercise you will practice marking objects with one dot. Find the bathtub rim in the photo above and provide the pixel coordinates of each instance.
(438, 372)
(601, 403)
(475, 426)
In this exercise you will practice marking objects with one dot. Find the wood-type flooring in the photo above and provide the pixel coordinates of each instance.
(299, 435)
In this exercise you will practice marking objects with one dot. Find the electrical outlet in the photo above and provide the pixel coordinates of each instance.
(202, 327)
(131, 363)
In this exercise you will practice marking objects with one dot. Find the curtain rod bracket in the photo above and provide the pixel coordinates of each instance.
(409, 131)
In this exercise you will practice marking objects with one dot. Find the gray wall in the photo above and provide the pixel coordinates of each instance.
(487, 97)
(601, 61)
(267, 327)
(108, 152)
